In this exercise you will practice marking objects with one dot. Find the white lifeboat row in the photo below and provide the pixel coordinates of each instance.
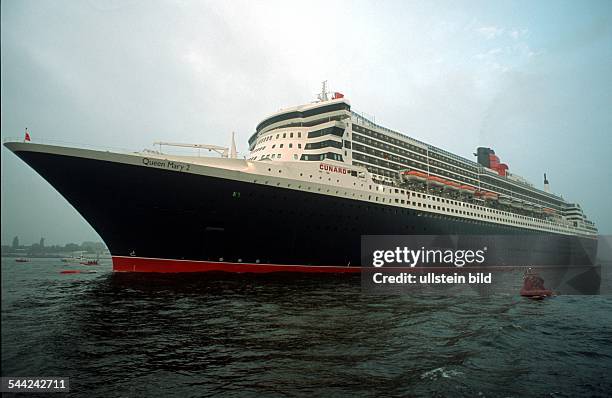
(521, 204)
(418, 176)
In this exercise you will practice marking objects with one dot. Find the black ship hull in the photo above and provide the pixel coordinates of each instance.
(159, 220)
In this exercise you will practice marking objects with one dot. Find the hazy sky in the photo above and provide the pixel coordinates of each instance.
(532, 79)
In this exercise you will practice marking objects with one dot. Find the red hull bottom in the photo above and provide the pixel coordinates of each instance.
(140, 264)
(145, 264)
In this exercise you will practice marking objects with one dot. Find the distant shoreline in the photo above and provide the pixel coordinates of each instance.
(86, 255)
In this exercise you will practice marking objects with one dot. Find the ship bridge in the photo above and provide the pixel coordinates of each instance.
(311, 132)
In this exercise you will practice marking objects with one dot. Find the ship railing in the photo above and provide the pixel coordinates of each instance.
(155, 149)
(360, 118)
(71, 144)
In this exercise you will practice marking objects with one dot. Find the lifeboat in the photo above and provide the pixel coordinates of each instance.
(548, 210)
(451, 185)
(517, 203)
(490, 196)
(528, 206)
(504, 200)
(467, 189)
(415, 176)
(435, 181)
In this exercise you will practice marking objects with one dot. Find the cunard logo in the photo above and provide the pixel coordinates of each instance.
(333, 169)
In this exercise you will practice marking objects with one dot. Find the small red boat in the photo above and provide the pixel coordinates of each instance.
(533, 286)
(77, 271)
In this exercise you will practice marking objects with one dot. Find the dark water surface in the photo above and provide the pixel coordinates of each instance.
(237, 335)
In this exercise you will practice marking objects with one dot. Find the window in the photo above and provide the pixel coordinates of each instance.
(290, 135)
(277, 135)
(278, 156)
(323, 144)
(273, 146)
(299, 135)
(330, 130)
(322, 156)
(281, 145)
(284, 135)
(295, 156)
(300, 146)
(290, 145)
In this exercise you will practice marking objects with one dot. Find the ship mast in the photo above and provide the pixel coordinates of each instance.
(322, 96)
(233, 154)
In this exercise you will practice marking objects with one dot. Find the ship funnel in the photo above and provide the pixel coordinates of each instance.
(546, 184)
(233, 153)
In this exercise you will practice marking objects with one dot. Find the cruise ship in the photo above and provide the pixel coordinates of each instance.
(317, 178)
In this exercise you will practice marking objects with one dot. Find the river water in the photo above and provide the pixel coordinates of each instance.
(287, 335)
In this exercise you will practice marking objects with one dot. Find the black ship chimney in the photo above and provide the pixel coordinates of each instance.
(483, 156)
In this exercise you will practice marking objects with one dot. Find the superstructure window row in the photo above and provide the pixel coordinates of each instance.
(322, 156)
(412, 155)
(330, 130)
(406, 163)
(432, 153)
(303, 114)
(324, 144)
(384, 137)
(373, 169)
(491, 183)
(447, 170)
(309, 123)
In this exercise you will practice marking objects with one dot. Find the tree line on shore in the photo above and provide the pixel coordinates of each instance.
(40, 248)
